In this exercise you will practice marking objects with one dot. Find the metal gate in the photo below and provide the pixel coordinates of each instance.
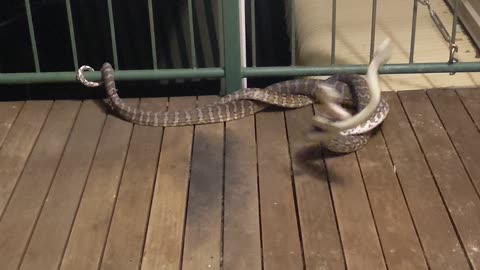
(231, 31)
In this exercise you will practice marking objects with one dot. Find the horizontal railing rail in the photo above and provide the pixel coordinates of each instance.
(248, 72)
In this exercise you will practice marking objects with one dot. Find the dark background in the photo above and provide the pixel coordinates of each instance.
(92, 35)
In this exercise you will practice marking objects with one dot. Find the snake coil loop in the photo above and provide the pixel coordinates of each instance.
(82, 79)
(381, 56)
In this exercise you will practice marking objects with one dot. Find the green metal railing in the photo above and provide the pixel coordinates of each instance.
(231, 70)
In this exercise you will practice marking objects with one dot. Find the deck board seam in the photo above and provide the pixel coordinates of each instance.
(460, 158)
(27, 244)
(294, 193)
(385, 262)
(334, 209)
(407, 204)
(83, 190)
(222, 214)
(332, 201)
(152, 194)
(262, 260)
(13, 123)
(114, 206)
(445, 205)
(26, 161)
(467, 110)
(147, 224)
(187, 193)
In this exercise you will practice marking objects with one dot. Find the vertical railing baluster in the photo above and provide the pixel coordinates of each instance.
(112, 34)
(243, 39)
(454, 23)
(33, 41)
(334, 30)
(220, 32)
(231, 42)
(72, 33)
(414, 29)
(152, 34)
(221, 55)
(293, 49)
(254, 33)
(191, 34)
(373, 27)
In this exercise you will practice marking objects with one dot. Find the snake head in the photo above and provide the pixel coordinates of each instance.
(330, 99)
(325, 92)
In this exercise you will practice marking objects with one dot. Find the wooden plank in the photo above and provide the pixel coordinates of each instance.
(471, 100)
(18, 144)
(203, 231)
(8, 113)
(32, 187)
(457, 190)
(126, 238)
(89, 232)
(241, 229)
(280, 234)
(163, 247)
(396, 231)
(461, 130)
(435, 231)
(355, 221)
(320, 235)
(50, 236)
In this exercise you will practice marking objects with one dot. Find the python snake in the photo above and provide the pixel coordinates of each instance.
(350, 90)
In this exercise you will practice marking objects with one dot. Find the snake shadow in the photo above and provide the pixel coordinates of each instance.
(311, 160)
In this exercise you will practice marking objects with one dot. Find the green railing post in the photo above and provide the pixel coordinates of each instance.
(231, 48)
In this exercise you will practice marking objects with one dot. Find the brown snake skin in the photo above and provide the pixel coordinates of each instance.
(352, 92)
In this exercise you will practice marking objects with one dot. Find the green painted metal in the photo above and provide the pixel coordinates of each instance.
(373, 27)
(249, 72)
(231, 43)
(361, 69)
(219, 4)
(414, 28)
(112, 34)
(151, 21)
(219, 24)
(120, 75)
(191, 33)
(33, 40)
(72, 34)
(292, 33)
(254, 33)
(454, 22)
(334, 32)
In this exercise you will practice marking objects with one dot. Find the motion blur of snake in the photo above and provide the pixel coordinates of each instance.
(334, 126)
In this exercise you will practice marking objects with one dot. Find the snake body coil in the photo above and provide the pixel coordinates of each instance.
(352, 91)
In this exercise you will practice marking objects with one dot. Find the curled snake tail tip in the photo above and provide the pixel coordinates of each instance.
(385, 50)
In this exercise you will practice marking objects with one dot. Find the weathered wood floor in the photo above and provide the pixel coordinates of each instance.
(82, 190)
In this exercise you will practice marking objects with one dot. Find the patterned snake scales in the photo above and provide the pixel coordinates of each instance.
(344, 134)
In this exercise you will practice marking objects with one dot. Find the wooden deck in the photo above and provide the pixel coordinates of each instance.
(80, 189)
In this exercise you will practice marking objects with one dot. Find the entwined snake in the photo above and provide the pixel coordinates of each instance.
(351, 91)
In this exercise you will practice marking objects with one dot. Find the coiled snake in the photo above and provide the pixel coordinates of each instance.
(350, 90)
